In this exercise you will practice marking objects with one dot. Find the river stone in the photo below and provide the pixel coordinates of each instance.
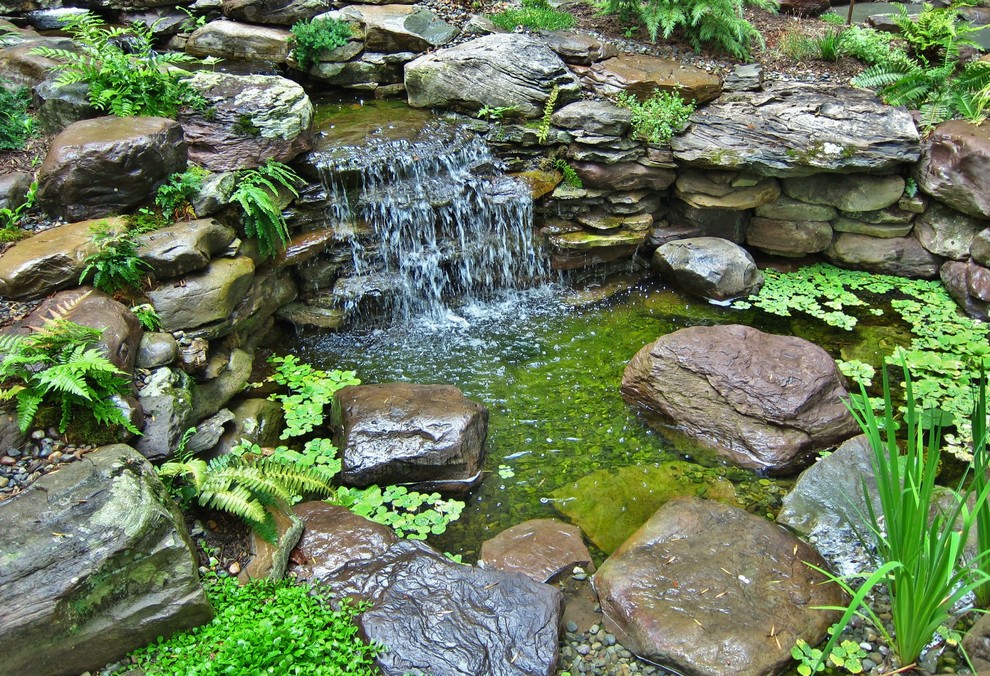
(700, 570)
(14, 187)
(156, 349)
(22, 67)
(257, 421)
(611, 504)
(764, 402)
(212, 395)
(183, 247)
(203, 297)
(333, 537)
(947, 232)
(640, 75)
(788, 238)
(541, 549)
(969, 285)
(979, 249)
(49, 261)
(710, 267)
(430, 436)
(252, 118)
(399, 28)
(798, 130)
(233, 41)
(902, 256)
(280, 12)
(848, 192)
(788, 209)
(829, 494)
(600, 118)
(56, 107)
(166, 396)
(457, 619)
(493, 70)
(954, 165)
(94, 547)
(108, 165)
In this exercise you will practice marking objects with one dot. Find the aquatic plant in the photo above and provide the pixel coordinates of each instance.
(311, 391)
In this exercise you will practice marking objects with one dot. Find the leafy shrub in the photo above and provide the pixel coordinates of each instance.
(535, 15)
(116, 265)
(265, 628)
(309, 38)
(10, 218)
(58, 366)
(659, 117)
(173, 197)
(257, 193)
(934, 32)
(125, 74)
(719, 22)
(16, 125)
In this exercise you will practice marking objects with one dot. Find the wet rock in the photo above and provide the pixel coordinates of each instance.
(709, 267)
(969, 285)
(156, 350)
(108, 165)
(600, 118)
(369, 72)
(623, 176)
(977, 644)
(848, 192)
(610, 505)
(699, 569)
(269, 290)
(762, 401)
(640, 75)
(56, 107)
(721, 190)
(22, 67)
(14, 187)
(253, 118)
(902, 256)
(215, 193)
(805, 7)
(399, 28)
(257, 421)
(166, 397)
(571, 250)
(183, 247)
(947, 232)
(798, 130)
(50, 260)
(303, 315)
(954, 164)
(210, 396)
(493, 70)
(459, 620)
(204, 297)
(278, 12)
(335, 536)
(88, 549)
(788, 238)
(979, 249)
(541, 549)
(579, 48)
(829, 494)
(881, 230)
(430, 436)
(728, 224)
(230, 40)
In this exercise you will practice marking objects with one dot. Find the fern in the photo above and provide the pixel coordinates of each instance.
(115, 266)
(257, 194)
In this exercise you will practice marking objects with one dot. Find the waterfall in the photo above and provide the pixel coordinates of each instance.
(445, 223)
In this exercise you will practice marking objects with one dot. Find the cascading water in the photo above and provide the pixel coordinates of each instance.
(446, 222)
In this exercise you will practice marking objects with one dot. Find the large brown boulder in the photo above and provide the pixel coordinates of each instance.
(710, 590)
(764, 402)
(431, 436)
(640, 75)
(108, 165)
(954, 166)
(969, 285)
(333, 537)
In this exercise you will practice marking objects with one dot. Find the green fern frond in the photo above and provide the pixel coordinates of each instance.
(236, 500)
(28, 402)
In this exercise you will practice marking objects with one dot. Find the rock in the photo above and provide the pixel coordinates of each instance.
(573, 250)
(10, 432)
(728, 224)
(804, 7)
(50, 260)
(14, 188)
(253, 118)
(183, 247)
(270, 560)
(788, 209)
(369, 72)
(23, 67)
(709, 267)
(640, 75)
(540, 182)
(459, 620)
(541, 549)
(208, 433)
(399, 28)
(93, 547)
(215, 194)
(121, 329)
(903, 256)
(280, 12)
(579, 48)
(979, 249)
(429, 436)
(623, 176)
(744, 78)
(763, 402)
(788, 238)
(108, 165)
(335, 536)
(494, 70)
(166, 397)
(848, 192)
(56, 107)
(969, 285)
(947, 232)
(210, 396)
(233, 41)
(597, 118)
(756, 580)
(303, 315)
(829, 494)
(257, 421)
(204, 297)
(954, 164)
(611, 504)
(976, 643)
(884, 231)
(156, 350)
(269, 290)
(893, 215)
(715, 191)
(798, 130)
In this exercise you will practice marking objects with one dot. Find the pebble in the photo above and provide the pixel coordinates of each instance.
(42, 454)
